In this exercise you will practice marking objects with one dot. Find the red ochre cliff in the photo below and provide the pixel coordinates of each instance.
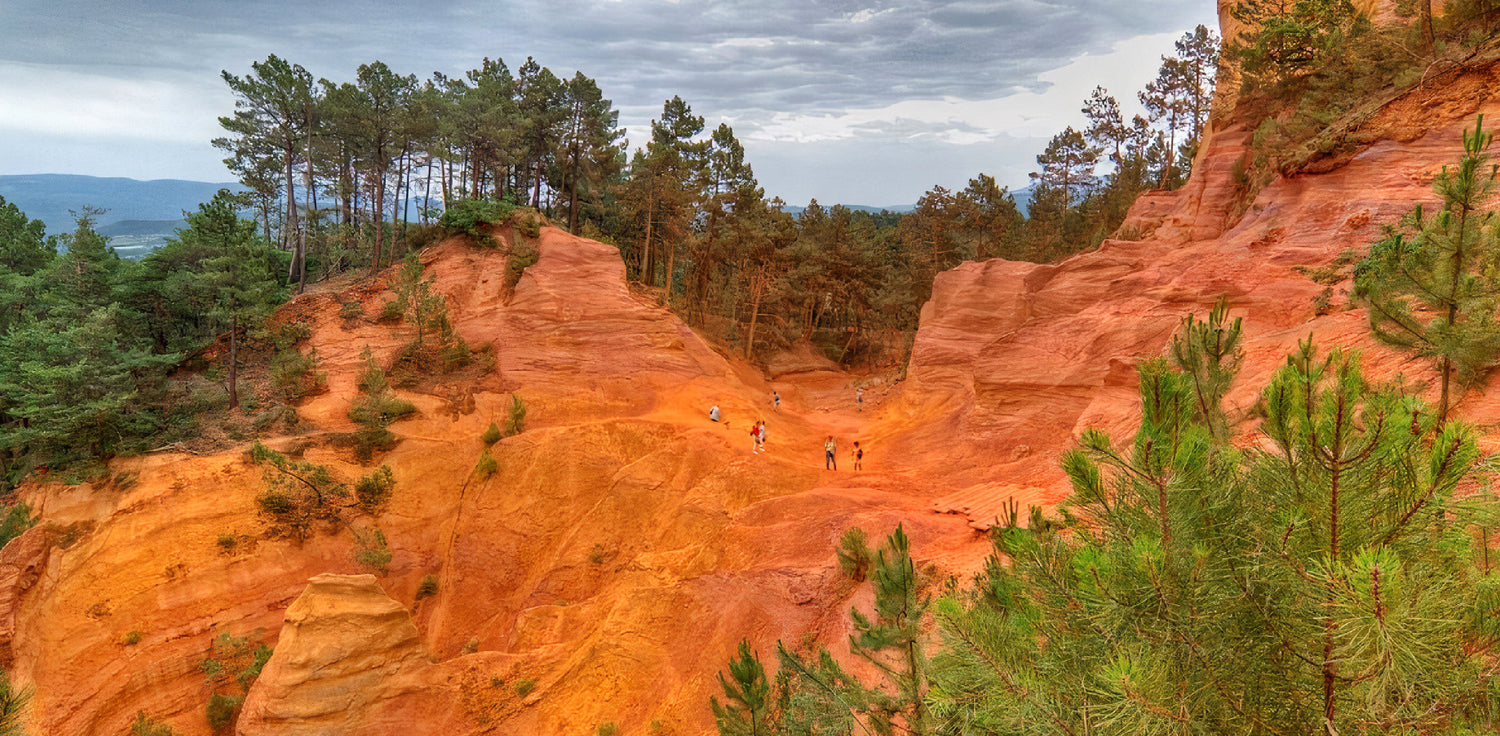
(626, 543)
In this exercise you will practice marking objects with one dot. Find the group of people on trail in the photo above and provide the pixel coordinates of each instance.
(830, 455)
(830, 447)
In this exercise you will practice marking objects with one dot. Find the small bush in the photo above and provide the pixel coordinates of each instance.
(295, 375)
(297, 494)
(486, 466)
(16, 520)
(491, 434)
(528, 223)
(351, 311)
(258, 659)
(373, 553)
(131, 638)
(373, 490)
(471, 646)
(854, 554)
(471, 216)
(516, 422)
(390, 312)
(607, 728)
(496, 682)
(144, 725)
(522, 256)
(524, 687)
(427, 588)
(227, 542)
(221, 710)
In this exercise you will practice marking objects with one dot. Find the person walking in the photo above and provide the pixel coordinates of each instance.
(829, 448)
(755, 439)
(859, 456)
(761, 438)
(776, 400)
(859, 398)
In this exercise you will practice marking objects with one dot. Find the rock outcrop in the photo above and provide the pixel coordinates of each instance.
(346, 650)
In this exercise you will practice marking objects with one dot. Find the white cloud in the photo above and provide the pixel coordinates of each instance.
(47, 100)
(1123, 70)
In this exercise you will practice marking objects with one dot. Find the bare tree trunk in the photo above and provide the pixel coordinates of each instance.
(234, 364)
(760, 289)
(290, 229)
(648, 262)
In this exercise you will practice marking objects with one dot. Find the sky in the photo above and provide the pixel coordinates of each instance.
(847, 101)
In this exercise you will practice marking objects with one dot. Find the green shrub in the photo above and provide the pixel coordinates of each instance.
(131, 638)
(607, 728)
(351, 311)
(16, 520)
(227, 542)
(298, 494)
(144, 725)
(373, 490)
(221, 710)
(390, 311)
(528, 223)
(491, 434)
(516, 422)
(522, 256)
(258, 659)
(373, 553)
(471, 216)
(471, 646)
(295, 375)
(486, 466)
(525, 686)
(381, 410)
(427, 588)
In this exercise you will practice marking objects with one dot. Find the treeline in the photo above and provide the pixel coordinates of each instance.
(87, 339)
(336, 168)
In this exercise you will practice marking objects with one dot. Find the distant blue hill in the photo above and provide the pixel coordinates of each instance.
(141, 212)
(1022, 197)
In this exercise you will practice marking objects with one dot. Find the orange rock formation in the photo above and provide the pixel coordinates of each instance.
(626, 544)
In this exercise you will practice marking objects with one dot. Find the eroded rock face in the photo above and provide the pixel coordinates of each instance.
(346, 647)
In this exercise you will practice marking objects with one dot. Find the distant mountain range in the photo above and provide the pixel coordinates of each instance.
(139, 215)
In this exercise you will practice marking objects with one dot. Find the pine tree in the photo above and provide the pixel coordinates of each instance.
(1320, 582)
(749, 707)
(239, 270)
(819, 696)
(1431, 285)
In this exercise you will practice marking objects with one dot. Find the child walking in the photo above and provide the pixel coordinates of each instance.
(859, 456)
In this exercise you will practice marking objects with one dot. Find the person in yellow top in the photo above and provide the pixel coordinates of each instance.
(829, 448)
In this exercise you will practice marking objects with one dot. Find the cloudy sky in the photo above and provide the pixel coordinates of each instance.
(853, 101)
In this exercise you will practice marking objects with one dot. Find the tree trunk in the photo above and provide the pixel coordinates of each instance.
(760, 289)
(379, 212)
(290, 229)
(573, 195)
(648, 260)
(234, 364)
